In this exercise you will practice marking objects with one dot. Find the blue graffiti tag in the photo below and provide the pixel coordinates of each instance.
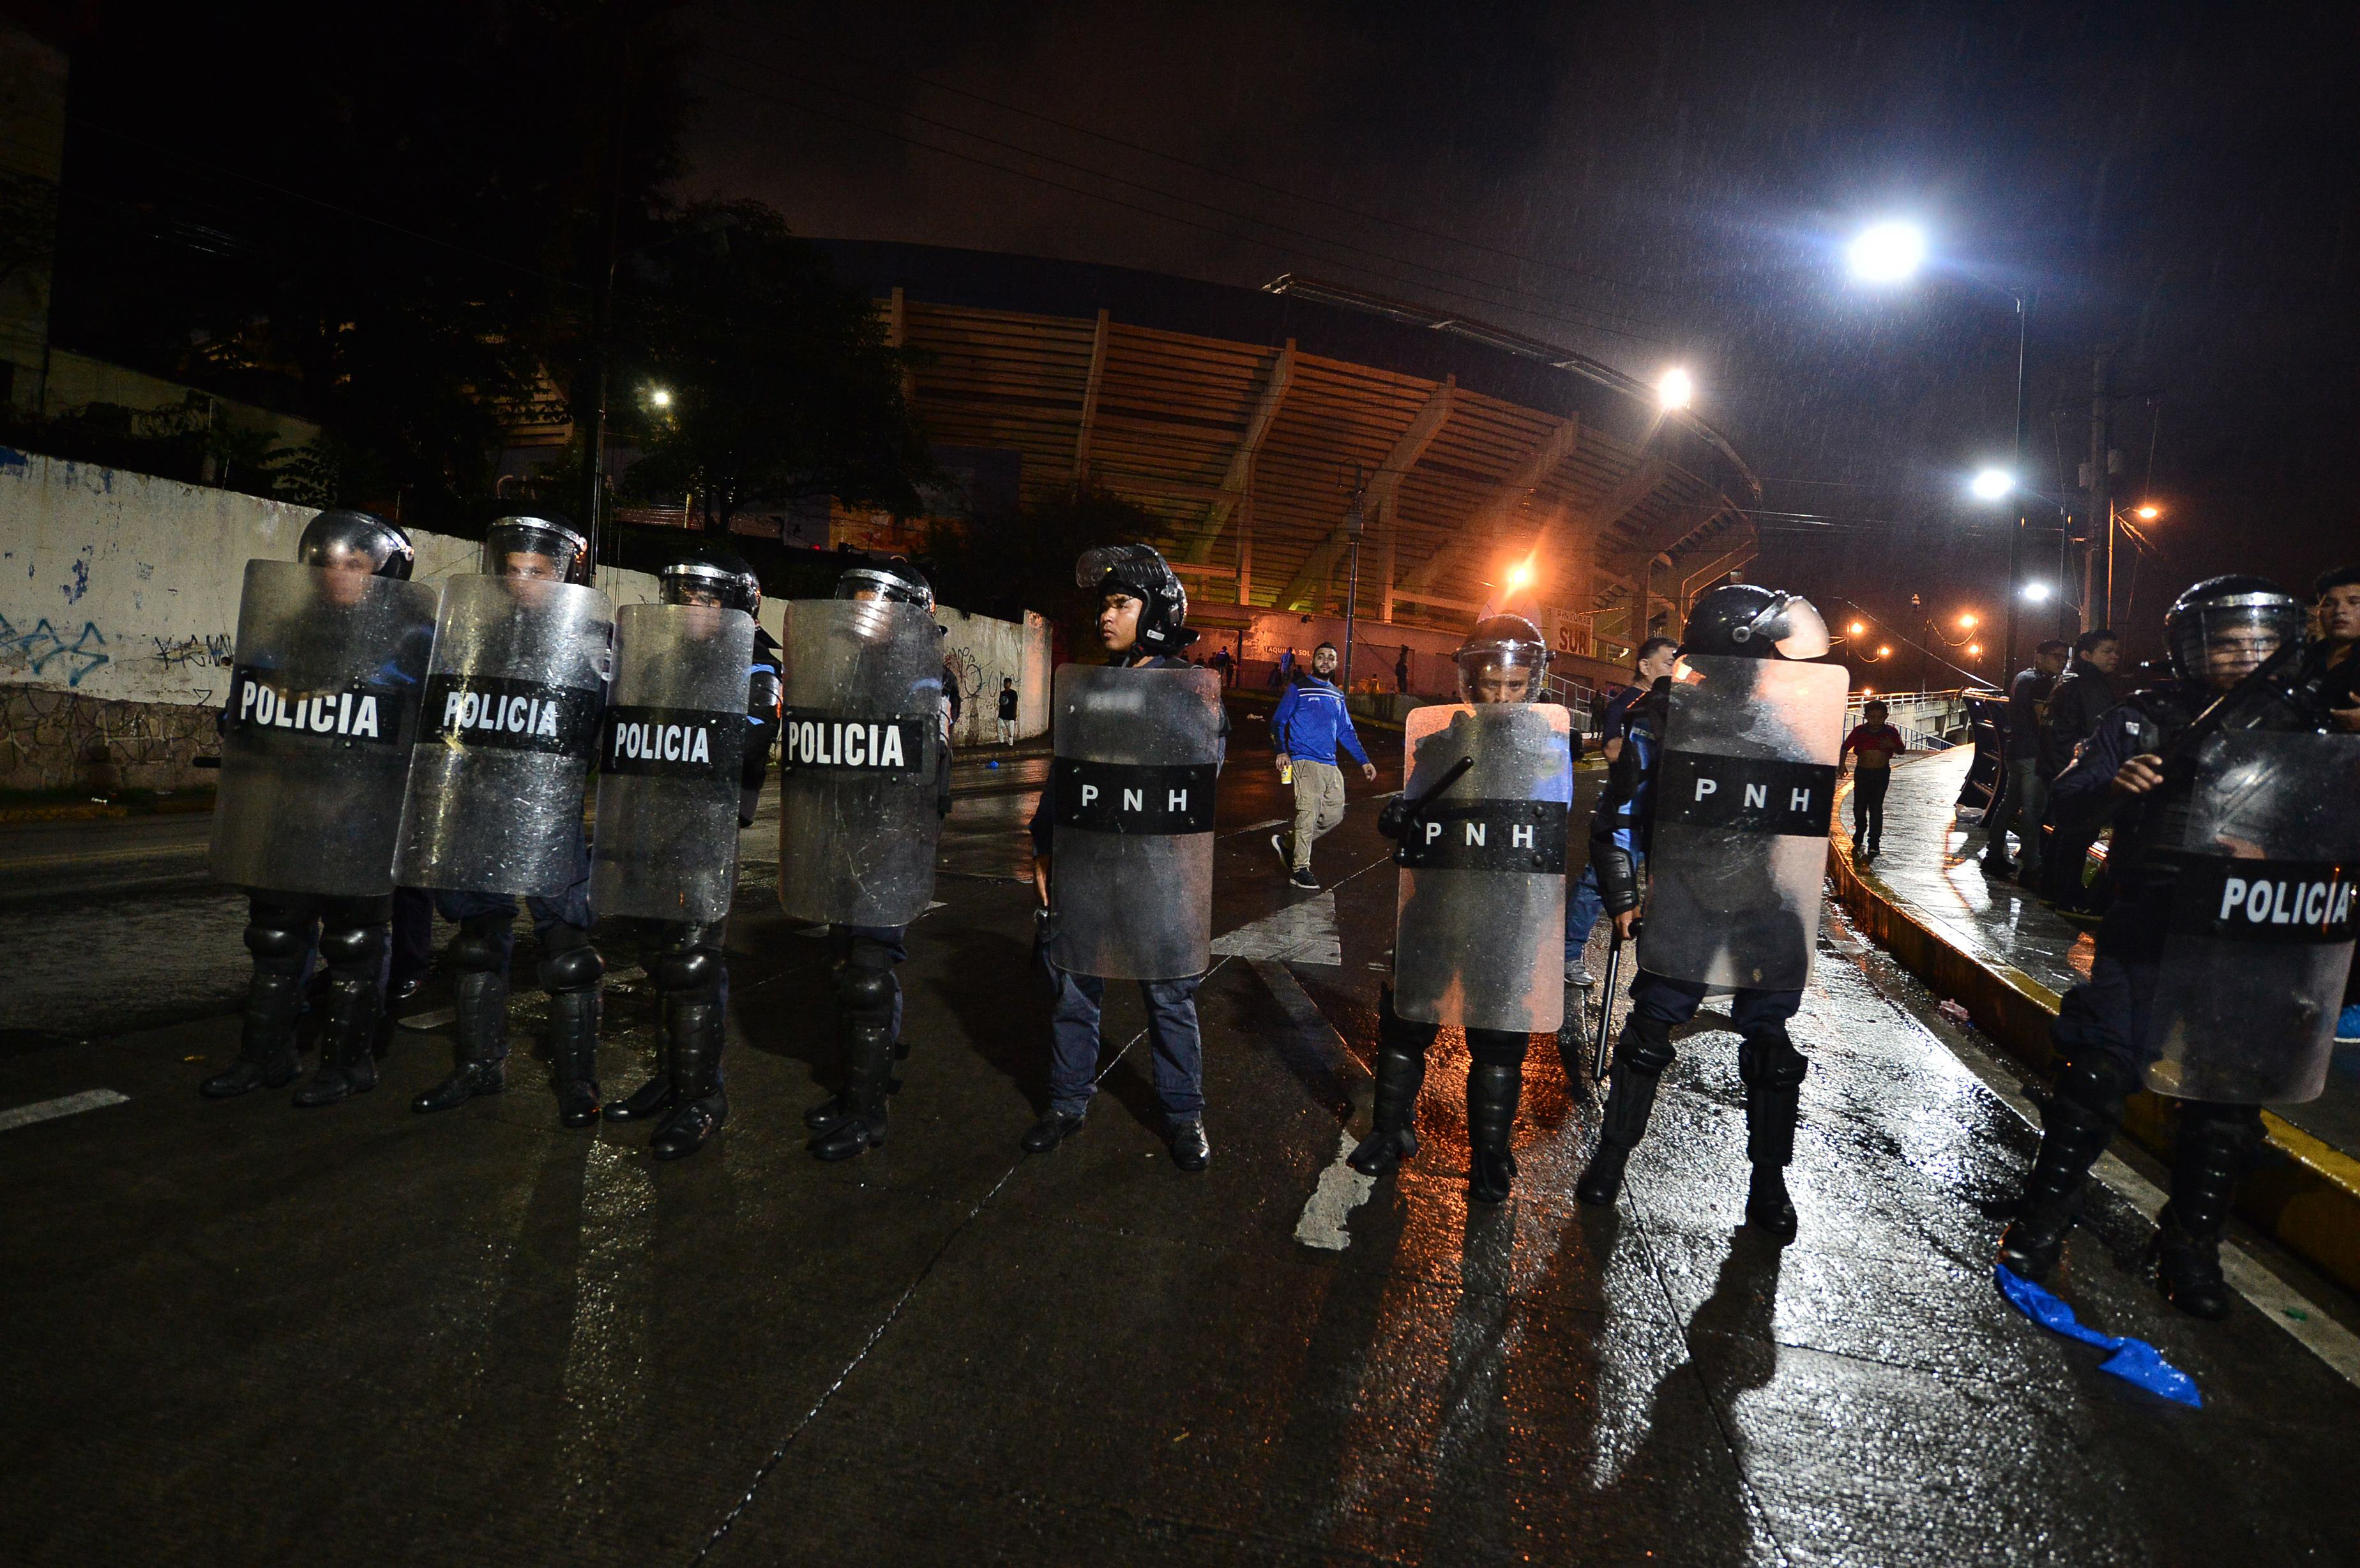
(42, 644)
(75, 590)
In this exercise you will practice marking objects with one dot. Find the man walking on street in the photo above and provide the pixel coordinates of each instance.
(2084, 691)
(2024, 794)
(1311, 722)
(1007, 710)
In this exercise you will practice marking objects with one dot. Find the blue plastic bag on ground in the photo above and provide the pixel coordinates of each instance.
(2134, 1360)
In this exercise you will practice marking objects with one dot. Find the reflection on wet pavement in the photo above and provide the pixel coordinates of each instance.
(1929, 863)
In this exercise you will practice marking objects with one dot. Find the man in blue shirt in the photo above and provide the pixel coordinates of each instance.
(1311, 722)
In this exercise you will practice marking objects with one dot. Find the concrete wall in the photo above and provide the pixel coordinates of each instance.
(979, 651)
(118, 610)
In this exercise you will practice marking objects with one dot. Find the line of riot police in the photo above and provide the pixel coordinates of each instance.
(379, 734)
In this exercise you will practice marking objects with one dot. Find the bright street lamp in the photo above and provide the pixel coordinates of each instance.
(2036, 593)
(658, 397)
(1966, 623)
(1974, 651)
(1675, 390)
(1992, 484)
(2147, 513)
(1859, 631)
(1887, 253)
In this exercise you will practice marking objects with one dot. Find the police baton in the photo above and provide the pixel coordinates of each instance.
(1606, 996)
(1410, 817)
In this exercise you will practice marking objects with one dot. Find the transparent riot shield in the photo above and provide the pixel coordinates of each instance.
(316, 735)
(1130, 878)
(1480, 939)
(860, 760)
(2262, 920)
(506, 741)
(1743, 794)
(670, 751)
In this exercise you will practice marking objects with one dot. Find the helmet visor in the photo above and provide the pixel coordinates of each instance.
(527, 548)
(1807, 630)
(713, 586)
(1502, 672)
(2224, 642)
(868, 583)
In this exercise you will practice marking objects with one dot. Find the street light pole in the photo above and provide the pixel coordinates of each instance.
(1354, 525)
(2023, 518)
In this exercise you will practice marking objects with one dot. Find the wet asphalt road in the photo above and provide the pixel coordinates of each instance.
(243, 1333)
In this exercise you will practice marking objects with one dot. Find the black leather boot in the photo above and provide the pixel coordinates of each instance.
(265, 1046)
(864, 999)
(1640, 1058)
(479, 1000)
(1401, 1073)
(1772, 1069)
(2077, 1124)
(2216, 1145)
(699, 1103)
(347, 1039)
(868, 1066)
(571, 973)
(652, 1099)
(573, 1039)
(1491, 1096)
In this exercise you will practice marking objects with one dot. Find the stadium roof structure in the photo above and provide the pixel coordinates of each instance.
(1257, 425)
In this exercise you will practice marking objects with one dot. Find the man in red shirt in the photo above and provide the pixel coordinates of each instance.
(1874, 744)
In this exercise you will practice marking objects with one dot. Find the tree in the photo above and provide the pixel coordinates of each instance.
(386, 219)
(749, 374)
(1008, 566)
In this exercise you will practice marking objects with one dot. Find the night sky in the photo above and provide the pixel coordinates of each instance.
(1660, 185)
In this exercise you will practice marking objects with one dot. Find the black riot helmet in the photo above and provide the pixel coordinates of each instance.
(543, 534)
(1501, 646)
(714, 576)
(895, 580)
(2224, 627)
(1746, 620)
(1141, 571)
(341, 531)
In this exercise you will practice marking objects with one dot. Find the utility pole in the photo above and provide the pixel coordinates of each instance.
(1355, 524)
(2097, 587)
(2016, 535)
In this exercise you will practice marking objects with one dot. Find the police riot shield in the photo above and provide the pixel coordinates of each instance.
(1130, 878)
(860, 755)
(1743, 794)
(507, 736)
(316, 734)
(671, 750)
(1479, 937)
(2262, 920)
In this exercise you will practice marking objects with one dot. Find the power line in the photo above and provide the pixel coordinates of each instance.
(1553, 312)
(1214, 171)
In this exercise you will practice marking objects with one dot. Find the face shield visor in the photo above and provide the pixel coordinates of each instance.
(1790, 624)
(2219, 642)
(714, 587)
(342, 540)
(536, 549)
(869, 582)
(1502, 672)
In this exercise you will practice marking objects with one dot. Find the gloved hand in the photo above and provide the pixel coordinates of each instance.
(1394, 820)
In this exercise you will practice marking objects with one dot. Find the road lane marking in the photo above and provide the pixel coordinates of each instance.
(1299, 933)
(50, 1110)
(1340, 1188)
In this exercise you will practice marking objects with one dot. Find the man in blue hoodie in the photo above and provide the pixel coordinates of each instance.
(1311, 722)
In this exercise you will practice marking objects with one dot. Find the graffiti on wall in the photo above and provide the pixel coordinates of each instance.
(44, 652)
(211, 652)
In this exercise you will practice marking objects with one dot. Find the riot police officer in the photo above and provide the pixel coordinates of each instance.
(1494, 915)
(669, 809)
(529, 625)
(2225, 766)
(332, 652)
(1724, 908)
(902, 678)
(1125, 875)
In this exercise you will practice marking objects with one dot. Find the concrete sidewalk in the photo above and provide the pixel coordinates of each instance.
(1992, 945)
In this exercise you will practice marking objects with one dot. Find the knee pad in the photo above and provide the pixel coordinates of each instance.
(575, 968)
(864, 990)
(346, 946)
(1497, 1047)
(1771, 1059)
(2097, 1080)
(690, 969)
(281, 943)
(1646, 1045)
(482, 944)
(2234, 1128)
